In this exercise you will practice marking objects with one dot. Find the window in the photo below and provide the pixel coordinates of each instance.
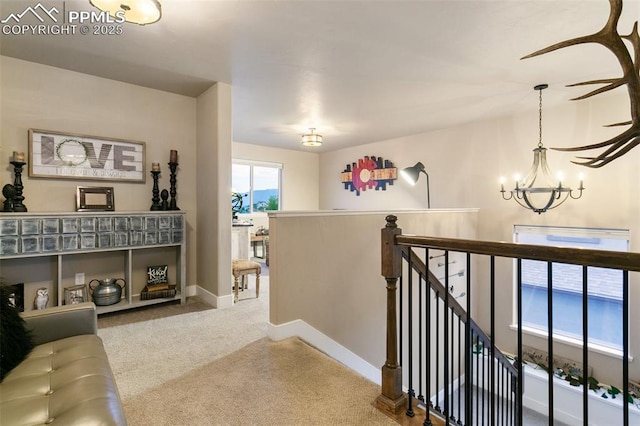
(258, 183)
(604, 286)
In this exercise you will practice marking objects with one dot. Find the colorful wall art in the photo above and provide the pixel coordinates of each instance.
(369, 173)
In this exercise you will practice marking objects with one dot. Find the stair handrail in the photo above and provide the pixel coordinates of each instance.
(629, 261)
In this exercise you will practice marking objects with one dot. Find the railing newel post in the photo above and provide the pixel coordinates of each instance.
(391, 398)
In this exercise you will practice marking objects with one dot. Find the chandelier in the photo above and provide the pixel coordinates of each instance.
(311, 138)
(140, 12)
(538, 190)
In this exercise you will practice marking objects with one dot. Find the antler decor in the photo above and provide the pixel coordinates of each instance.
(608, 37)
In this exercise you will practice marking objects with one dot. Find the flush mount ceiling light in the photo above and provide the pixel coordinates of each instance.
(311, 138)
(139, 12)
(537, 191)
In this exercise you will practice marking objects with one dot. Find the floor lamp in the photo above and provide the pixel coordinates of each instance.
(412, 174)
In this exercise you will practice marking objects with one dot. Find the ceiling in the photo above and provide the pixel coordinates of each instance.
(358, 71)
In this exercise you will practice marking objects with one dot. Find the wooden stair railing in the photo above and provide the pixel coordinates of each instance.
(396, 247)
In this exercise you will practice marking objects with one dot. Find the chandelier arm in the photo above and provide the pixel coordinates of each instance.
(579, 195)
(505, 198)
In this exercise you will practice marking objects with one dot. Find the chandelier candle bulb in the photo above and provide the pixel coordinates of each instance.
(18, 156)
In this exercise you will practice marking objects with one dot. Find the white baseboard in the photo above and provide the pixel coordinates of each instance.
(324, 343)
(220, 302)
(192, 290)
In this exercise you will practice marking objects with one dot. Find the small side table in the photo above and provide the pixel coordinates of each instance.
(255, 239)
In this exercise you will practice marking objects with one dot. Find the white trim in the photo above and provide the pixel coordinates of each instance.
(612, 233)
(219, 302)
(191, 290)
(245, 162)
(324, 343)
(593, 347)
(305, 213)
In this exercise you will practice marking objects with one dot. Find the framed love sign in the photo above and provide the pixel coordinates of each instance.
(72, 156)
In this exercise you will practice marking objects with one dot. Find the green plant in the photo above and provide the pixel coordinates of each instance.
(272, 204)
(575, 378)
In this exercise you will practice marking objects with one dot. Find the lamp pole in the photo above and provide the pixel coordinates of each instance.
(428, 191)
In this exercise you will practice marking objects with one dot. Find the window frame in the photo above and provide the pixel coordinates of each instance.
(567, 232)
(252, 164)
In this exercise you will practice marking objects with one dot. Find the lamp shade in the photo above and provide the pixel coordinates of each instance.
(411, 174)
(140, 12)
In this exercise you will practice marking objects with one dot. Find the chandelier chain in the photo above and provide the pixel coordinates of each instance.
(540, 120)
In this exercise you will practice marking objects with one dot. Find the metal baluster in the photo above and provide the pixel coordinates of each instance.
(503, 406)
(453, 366)
(459, 366)
(506, 396)
(438, 409)
(477, 379)
(625, 346)
(550, 338)
(585, 346)
(427, 419)
(420, 343)
(484, 382)
(512, 400)
(520, 386)
(467, 352)
(492, 348)
(447, 408)
(503, 395)
(477, 344)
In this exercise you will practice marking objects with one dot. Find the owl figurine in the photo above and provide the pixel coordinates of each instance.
(42, 298)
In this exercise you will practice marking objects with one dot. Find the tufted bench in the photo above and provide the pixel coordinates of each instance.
(64, 380)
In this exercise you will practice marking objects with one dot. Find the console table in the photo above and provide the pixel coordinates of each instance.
(54, 250)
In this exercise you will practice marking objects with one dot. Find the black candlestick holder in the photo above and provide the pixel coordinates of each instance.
(17, 184)
(173, 205)
(156, 191)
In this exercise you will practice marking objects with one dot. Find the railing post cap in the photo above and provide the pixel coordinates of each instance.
(391, 221)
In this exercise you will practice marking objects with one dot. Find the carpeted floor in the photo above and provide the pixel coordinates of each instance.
(264, 383)
(146, 353)
(217, 367)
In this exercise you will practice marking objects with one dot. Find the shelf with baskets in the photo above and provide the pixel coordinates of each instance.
(49, 249)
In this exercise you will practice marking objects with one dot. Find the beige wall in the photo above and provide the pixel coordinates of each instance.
(213, 189)
(43, 97)
(325, 270)
(464, 165)
(300, 177)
